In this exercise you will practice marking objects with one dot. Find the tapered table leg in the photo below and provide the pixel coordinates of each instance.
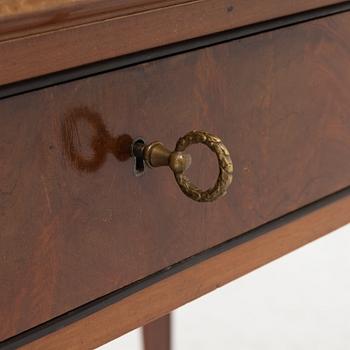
(157, 334)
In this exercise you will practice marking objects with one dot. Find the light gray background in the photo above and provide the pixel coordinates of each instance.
(298, 302)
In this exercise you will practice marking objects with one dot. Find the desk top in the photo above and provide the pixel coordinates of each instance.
(38, 37)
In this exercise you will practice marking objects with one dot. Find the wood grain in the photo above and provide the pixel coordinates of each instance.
(169, 294)
(56, 50)
(24, 17)
(280, 106)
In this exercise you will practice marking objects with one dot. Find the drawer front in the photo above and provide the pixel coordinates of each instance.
(76, 228)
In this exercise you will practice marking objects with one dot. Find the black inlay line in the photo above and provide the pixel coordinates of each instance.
(116, 296)
(145, 56)
(168, 50)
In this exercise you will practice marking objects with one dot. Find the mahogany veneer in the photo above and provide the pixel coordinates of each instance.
(77, 227)
(92, 229)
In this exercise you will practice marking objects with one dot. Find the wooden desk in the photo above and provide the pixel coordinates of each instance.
(88, 250)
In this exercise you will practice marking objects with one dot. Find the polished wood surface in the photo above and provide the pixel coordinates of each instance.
(182, 287)
(281, 107)
(157, 334)
(19, 18)
(58, 44)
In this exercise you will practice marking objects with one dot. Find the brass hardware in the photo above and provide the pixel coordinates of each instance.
(156, 155)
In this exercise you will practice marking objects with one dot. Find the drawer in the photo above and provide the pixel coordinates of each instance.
(76, 223)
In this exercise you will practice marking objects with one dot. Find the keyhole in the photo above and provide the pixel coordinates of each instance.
(137, 152)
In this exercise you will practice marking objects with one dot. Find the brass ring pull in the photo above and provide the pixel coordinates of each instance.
(155, 155)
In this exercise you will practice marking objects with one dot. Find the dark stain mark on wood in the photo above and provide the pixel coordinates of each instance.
(100, 141)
